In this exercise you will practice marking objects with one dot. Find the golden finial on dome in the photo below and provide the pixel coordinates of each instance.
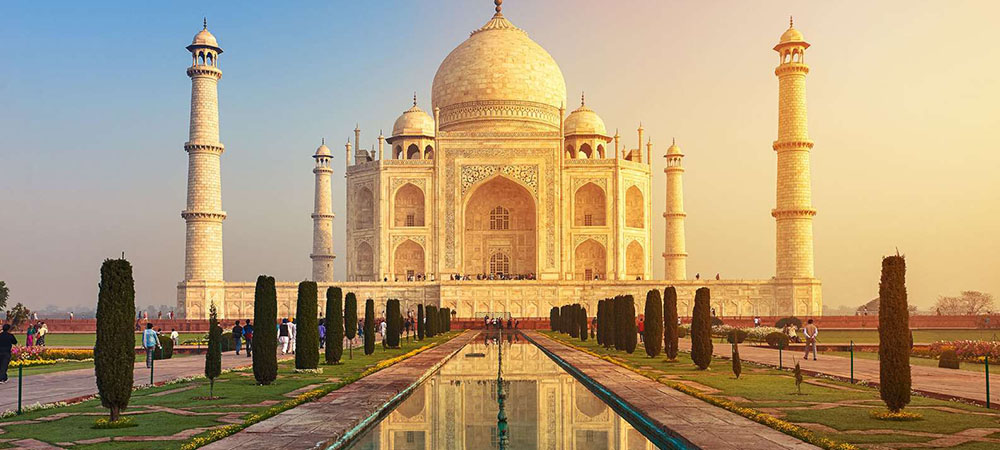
(204, 23)
(498, 3)
(414, 98)
(791, 23)
(583, 101)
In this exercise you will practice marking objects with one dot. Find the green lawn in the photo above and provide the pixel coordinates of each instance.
(74, 365)
(774, 391)
(238, 392)
(919, 336)
(88, 339)
(914, 360)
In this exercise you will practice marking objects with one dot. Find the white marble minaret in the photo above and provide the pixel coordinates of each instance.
(203, 282)
(674, 246)
(322, 255)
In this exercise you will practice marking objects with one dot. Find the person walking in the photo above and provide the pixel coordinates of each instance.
(150, 341)
(237, 336)
(810, 331)
(284, 332)
(248, 337)
(30, 335)
(7, 341)
(322, 333)
(174, 336)
(293, 328)
(43, 329)
(641, 328)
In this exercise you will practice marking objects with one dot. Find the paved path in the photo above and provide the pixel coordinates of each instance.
(931, 381)
(71, 384)
(683, 416)
(325, 420)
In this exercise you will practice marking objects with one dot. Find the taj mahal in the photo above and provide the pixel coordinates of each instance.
(500, 198)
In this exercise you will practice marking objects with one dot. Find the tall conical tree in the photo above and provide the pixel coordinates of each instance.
(610, 320)
(421, 326)
(894, 335)
(307, 327)
(432, 316)
(571, 321)
(213, 355)
(350, 321)
(369, 326)
(701, 329)
(265, 336)
(582, 322)
(114, 352)
(653, 331)
(334, 326)
(554, 319)
(600, 315)
(632, 331)
(670, 332)
(393, 319)
(621, 322)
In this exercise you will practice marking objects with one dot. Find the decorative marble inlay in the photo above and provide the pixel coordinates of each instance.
(580, 238)
(526, 174)
(396, 183)
(399, 239)
(600, 182)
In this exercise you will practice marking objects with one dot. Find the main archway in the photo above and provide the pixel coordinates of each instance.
(500, 230)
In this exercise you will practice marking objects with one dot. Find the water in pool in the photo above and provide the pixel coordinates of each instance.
(544, 407)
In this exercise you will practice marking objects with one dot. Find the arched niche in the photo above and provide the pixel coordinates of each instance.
(408, 206)
(500, 216)
(590, 261)
(635, 261)
(635, 216)
(408, 261)
(589, 206)
(364, 209)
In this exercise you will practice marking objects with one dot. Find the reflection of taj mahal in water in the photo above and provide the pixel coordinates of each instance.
(546, 408)
(497, 181)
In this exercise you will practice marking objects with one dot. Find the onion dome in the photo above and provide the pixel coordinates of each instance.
(499, 75)
(323, 151)
(674, 149)
(414, 122)
(584, 121)
(205, 39)
(791, 36)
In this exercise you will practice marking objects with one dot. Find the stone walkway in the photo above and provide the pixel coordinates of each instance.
(931, 381)
(74, 384)
(683, 416)
(325, 420)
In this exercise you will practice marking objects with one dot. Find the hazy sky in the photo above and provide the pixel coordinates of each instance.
(903, 106)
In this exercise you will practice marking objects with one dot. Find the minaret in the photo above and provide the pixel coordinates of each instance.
(638, 148)
(322, 255)
(674, 246)
(357, 141)
(793, 212)
(204, 214)
(381, 142)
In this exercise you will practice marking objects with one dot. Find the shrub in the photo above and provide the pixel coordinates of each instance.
(631, 332)
(582, 323)
(737, 364)
(213, 355)
(114, 354)
(653, 331)
(797, 372)
(948, 360)
(166, 350)
(736, 336)
(369, 326)
(334, 325)
(789, 321)
(683, 332)
(350, 321)
(670, 329)
(776, 339)
(421, 327)
(701, 330)
(265, 336)
(226, 343)
(307, 326)
(394, 319)
(894, 335)
(717, 322)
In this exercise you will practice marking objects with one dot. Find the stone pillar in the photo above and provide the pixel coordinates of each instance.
(674, 244)
(203, 215)
(793, 212)
(322, 255)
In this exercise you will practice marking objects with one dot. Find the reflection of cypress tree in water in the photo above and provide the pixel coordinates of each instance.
(501, 396)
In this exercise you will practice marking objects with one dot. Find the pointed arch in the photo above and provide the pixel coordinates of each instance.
(408, 206)
(413, 152)
(590, 261)
(635, 261)
(570, 153)
(398, 152)
(428, 152)
(499, 215)
(590, 206)
(408, 260)
(364, 262)
(586, 152)
(600, 151)
(635, 207)
(364, 209)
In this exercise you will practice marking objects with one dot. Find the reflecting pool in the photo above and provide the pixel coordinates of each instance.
(544, 407)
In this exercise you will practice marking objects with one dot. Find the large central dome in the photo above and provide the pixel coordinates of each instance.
(501, 80)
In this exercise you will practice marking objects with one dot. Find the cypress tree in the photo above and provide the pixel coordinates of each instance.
(213, 355)
(421, 327)
(350, 321)
(307, 327)
(265, 336)
(701, 329)
(670, 331)
(582, 322)
(894, 335)
(432, 316)
(620, 322)
(447, 319)
(610, 320)
(442, 320)
(394, 320)
(737, 364)
(334, 326)
(114, 351)
(369, 326)
(572, 326)
(554, 319)
(653, 332)
(632, 332)
(600, 315)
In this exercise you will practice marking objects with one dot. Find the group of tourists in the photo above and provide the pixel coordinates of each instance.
(493, 276)
(498, 323)
(36, 334)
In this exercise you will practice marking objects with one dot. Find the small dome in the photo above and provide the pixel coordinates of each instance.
(414, 122)
(584, 121)
(323, 150)
(205, 38)
(791, 35)
(674, 149)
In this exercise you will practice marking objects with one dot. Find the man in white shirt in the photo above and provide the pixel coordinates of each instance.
(174, 336)
(810, 331)
(292, 329)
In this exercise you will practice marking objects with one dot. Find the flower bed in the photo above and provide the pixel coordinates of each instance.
(36, 353)
(967, 350)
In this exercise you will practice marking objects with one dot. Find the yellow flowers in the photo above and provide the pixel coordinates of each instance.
(31, 362)
(901, 416)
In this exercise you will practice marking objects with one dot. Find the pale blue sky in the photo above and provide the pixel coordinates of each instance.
(94, 110)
